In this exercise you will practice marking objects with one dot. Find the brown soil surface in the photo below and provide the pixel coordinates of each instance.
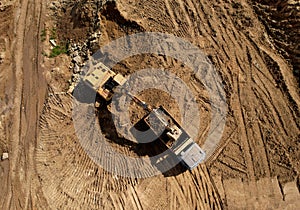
(256, 164)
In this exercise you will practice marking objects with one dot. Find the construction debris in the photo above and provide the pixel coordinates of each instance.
(52, 42)
(77, 60)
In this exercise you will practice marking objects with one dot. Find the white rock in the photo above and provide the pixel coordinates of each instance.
(76, 69)
(4, 156)
(77, 59)
(52, 41)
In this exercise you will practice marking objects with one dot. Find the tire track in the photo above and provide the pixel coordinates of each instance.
(171, 13)
(15, 130)
(60, 154)
(187, 18)
(243, 131)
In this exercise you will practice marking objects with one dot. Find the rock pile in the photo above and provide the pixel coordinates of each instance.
(81, 30)
(80, 52)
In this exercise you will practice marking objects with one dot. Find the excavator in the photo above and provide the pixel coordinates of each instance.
(104, 81)
(169, 131)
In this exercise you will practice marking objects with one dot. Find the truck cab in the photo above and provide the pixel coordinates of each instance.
(175, 137)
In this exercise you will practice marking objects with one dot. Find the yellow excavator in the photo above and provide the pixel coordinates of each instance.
(104, 81)
(169, 131)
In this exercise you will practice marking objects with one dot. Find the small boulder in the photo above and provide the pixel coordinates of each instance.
(4, 156)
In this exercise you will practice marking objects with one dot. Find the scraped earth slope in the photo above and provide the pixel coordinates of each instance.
(256, 164)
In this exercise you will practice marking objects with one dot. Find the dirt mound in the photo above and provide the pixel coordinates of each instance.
(78, 20)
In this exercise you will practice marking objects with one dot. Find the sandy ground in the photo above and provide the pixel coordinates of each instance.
(25, 90)
(256, 164)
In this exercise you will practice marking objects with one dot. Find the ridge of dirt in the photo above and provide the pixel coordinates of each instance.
(281, 19)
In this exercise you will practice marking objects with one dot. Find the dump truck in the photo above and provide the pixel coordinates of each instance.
(103, 80)
(169, 131)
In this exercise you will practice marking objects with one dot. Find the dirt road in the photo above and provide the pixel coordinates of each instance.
(28, 98)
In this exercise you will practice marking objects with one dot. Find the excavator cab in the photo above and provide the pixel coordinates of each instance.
(176, 138)
(104, 81)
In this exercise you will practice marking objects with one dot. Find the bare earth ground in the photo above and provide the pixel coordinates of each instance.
(256, 165)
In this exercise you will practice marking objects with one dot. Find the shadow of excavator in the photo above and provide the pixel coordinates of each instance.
(169, 165)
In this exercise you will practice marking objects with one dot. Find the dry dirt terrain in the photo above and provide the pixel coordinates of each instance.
(254, 45)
